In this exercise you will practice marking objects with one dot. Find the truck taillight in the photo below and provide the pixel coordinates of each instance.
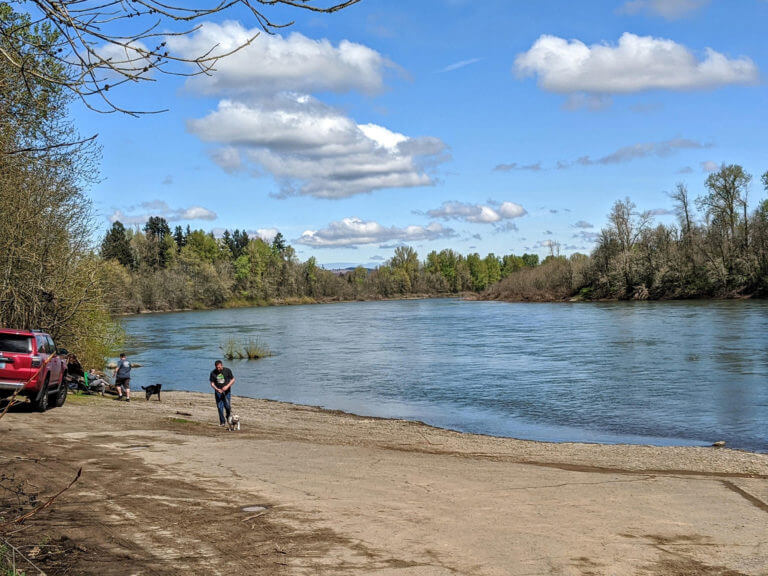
(36, 362)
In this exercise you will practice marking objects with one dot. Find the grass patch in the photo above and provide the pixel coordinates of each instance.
(184, 421)
(82, 398)
(8, 564)
(247, 349)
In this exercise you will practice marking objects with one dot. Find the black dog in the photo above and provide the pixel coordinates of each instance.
(153, 389)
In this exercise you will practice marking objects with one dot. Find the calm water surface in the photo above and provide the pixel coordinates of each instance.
(651, 373)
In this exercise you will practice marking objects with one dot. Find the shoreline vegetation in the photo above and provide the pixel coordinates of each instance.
(716, 249)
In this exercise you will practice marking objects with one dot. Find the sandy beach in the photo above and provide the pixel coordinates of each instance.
(163, 489)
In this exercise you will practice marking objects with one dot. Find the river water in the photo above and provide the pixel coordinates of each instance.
(664, 373)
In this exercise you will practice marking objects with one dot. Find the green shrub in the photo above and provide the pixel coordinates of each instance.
(247, 349)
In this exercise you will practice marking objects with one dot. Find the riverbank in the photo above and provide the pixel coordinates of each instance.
(305, 301)
(163, 488)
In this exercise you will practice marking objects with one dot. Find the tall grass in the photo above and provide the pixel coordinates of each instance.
(245, 349)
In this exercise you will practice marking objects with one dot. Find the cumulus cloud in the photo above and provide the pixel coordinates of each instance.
(313, 149)
(266, 234)
(668, 9)
(228, 158)
(267, 120)
(477, 213)
(635, 64)
(353, 232)
(273, 63)
(583, 224)
(709, 166)
(142, 212)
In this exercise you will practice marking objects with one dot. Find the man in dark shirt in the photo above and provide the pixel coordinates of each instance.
(122, 376)
(221, 382)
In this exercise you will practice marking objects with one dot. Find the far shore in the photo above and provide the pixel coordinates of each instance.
(470, 296)
(301, 490)
(237, 304)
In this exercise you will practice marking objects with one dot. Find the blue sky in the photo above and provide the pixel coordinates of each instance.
(494, 126)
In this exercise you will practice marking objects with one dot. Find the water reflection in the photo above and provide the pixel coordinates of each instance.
(661, 373)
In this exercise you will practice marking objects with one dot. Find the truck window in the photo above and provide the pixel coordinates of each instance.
(42, 345)
(51, 345)
(15, 344)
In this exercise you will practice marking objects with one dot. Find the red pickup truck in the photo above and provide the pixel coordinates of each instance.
(31, 366)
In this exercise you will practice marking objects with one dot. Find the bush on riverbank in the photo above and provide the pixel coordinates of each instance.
(246, 349)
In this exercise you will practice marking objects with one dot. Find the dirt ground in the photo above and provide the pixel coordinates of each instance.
(163, 489)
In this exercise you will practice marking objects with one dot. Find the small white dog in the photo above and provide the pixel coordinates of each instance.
(233, 423)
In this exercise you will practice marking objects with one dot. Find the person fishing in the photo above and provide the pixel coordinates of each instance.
(221, 381)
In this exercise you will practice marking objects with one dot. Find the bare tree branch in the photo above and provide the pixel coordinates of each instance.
(88, 31)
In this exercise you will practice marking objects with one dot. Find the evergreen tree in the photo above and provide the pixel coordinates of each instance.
(116, 245)
(179, 238)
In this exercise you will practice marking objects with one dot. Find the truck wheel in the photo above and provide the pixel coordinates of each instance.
(61, 396)
(41, 403)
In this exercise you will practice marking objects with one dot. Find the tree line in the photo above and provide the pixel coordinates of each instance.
(157, 268)
(49, 273)
(717, 248)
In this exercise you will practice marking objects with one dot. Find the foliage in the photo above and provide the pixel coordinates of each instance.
(719, 251)
(247, 349)
(49, 278)
(202, 271)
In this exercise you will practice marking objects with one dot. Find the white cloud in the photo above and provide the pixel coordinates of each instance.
(267, 121)
(273, 63)
(266, 234)
(353, 232)
(636, 64)
(128, 60)
(709, 166)
(228, 158)
(140, 214)
(477, 213)
(583, 224)
(669, 9)
(461, 64)
(315, 150)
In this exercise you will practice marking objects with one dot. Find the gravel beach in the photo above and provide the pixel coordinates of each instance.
(163, 491)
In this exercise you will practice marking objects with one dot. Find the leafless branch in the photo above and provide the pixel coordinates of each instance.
(47, 504)
(89, 31)
(50, 147)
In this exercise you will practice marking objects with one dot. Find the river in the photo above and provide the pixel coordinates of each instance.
(662, 373)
